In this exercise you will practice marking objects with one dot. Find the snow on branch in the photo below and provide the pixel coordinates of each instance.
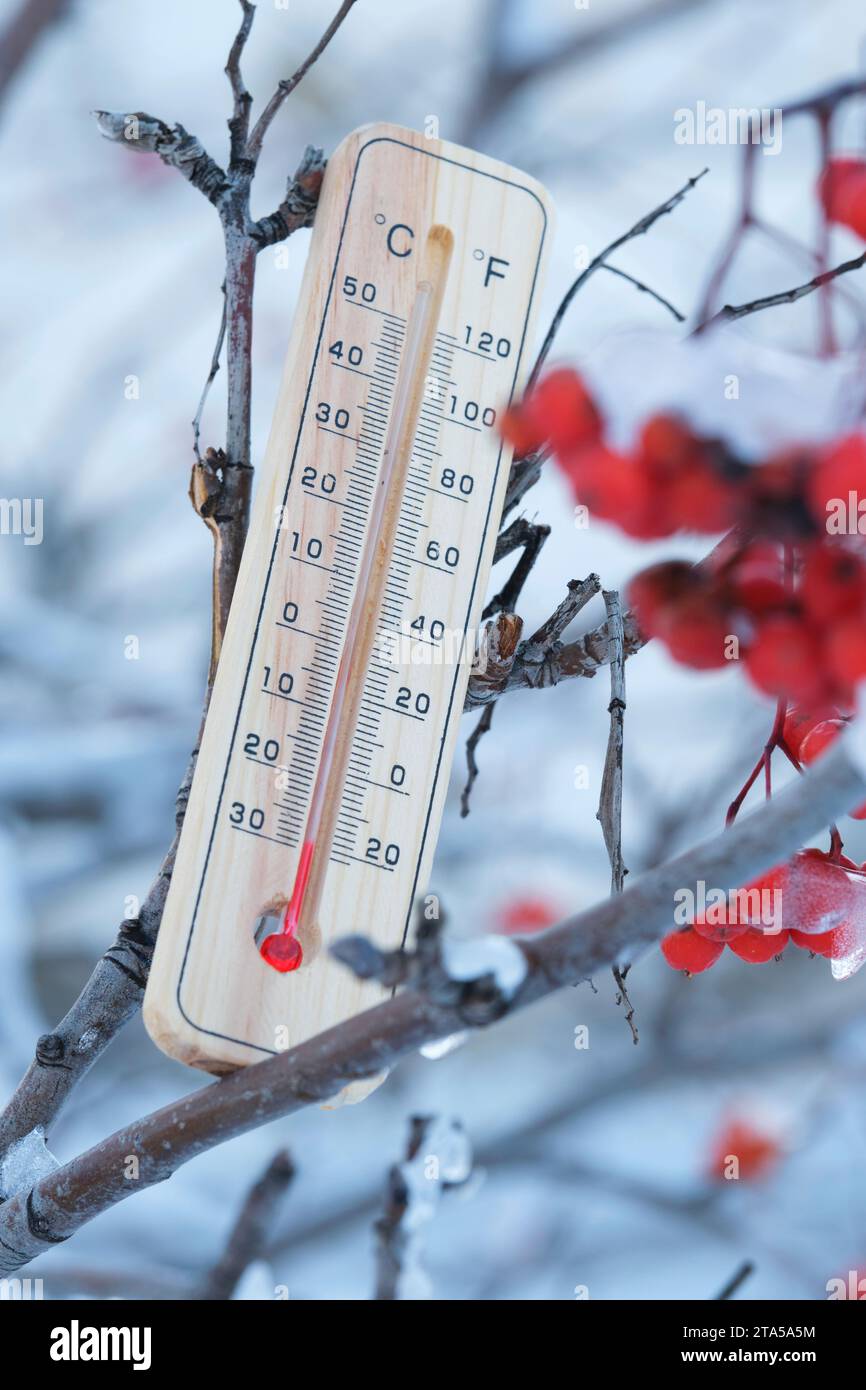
(438, 1158)
(175, 146)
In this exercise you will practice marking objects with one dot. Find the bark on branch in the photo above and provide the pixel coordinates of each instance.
(58, 1205)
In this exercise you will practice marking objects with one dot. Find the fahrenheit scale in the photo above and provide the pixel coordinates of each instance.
(325, 758)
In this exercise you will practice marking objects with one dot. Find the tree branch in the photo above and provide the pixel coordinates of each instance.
(59, 1204)
(731, 312)
(239, 123)
(22, 34)
(220, 490)
(437, 1158)
(175, 146)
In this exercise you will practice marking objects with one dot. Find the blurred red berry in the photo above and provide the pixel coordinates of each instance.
(785, 659)
(606, 482)
(833, 584)
(685, 950)
(839, 472)
(756, 1151)
(846, 651)
(666, 445)
(701, 501)
(559, 411)
(653, 593)
(842, 193)
(697, 633)
(756, 579)
(818, 738)
(527, 915)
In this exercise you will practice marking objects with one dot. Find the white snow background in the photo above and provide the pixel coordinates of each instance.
(111, 266)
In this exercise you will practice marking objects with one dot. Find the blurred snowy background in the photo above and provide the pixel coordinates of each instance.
(594, 1160)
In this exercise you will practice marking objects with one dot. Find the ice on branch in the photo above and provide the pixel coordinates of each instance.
(25, 1163)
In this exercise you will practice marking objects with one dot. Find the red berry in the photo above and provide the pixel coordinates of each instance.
(757, 581)
(655, 592)
(756, 1152)
(821, 894)
(801, 720)
(846, 651)
(609, 484)
(666, 445)
(527, 915)
(819, 737)
(831, 944)
(785, 659)
(559, 410)
(697, 633)
(834, 582)
(842, 192)
(838, 472)
(757, 947)
(701, 501)
(685, 950)
(718, 931)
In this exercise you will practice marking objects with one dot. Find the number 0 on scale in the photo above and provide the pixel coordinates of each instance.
(326, 753)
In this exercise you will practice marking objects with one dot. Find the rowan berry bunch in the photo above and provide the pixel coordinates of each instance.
(823, 892)
(789, 595)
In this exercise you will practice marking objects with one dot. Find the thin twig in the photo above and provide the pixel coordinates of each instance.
(609, 812)
(211, 376)
(240, 118)
(288, 84)
(646, 289)
(640, 227)
(472, 742)
(252, 1229)
(731, 312)
(737, 1279)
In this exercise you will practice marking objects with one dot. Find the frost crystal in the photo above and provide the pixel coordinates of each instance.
(25, 1163)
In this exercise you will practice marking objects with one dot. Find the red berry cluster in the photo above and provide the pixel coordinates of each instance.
(842, 193)
(823, 894)
(673, 480)
(803, 635)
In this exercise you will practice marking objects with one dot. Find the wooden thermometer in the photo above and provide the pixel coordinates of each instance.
(324, 764)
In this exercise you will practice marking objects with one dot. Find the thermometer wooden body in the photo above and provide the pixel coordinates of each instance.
(326, 753)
